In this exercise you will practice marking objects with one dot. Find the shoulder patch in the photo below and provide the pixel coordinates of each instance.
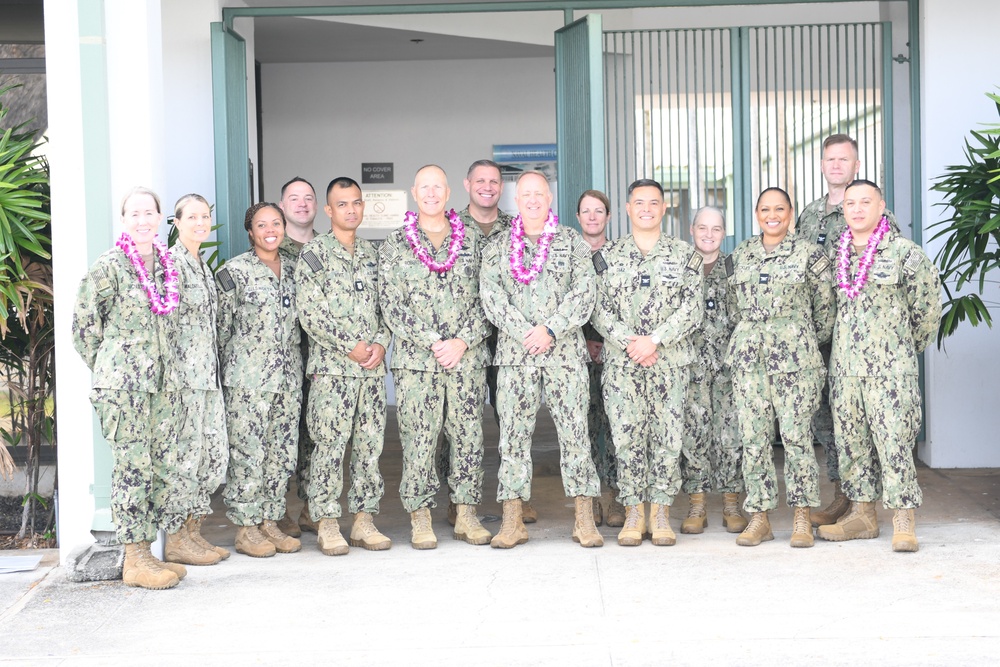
(912, 261)
(695, 262)
(820, 266)
(101, 280)
(582, 249)
(730, 269)
(492, 249)
(310, 258)
(225, 279)
(599, 264)
(387, 252)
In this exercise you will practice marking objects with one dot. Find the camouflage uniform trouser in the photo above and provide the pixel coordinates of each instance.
(205, 424)
(345, 409)
(646, 411)
(712, 455)
(426, 402)
(792, 397)
(306, 446)
(519, 395)
(137, 426)
(601, 448)
(876, 421)
(822, 424)
(263, 432)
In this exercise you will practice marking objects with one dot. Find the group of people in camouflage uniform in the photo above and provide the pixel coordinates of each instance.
(665, 366)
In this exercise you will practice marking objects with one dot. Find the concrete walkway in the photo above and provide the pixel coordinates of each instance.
(704, 601)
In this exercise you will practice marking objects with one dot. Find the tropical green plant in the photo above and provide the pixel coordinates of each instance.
(971, 235)
(213, 260)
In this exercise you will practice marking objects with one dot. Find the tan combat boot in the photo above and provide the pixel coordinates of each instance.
(802, 530)
(306, 524)
(468, 528)
(661, 534)
(251, 542)
(144, 571)
(364, 534)
(697, 517)
(452, 513)
(634, 528)
(512, 530)
(330, 541)
(757, 531)
(861, 523)
(584, 530)
(289, 526)
(422, 535)
(904, 531)
(528, 513)
(732, 517)
(193, 525)
(616, 514)
(284, 544)
(836, 509)
(180, 548)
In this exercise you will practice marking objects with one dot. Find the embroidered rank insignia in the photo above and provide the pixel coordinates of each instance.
(710, 303)
(764, 279)
(312, 261)
(821, 239)
(359, 286)
(599, 264)
(694, 264)
(730, 269)
(912, 262)
(225, 279)
(820, 266)
(644, 280)
(286, 301)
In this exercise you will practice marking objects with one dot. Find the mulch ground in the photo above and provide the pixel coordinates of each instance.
(11, 512)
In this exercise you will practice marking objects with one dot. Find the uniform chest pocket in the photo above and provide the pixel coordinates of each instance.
(559, 262)
(131, 314)
(195, 307)
(745, 284)
(884, 271)
(621, 281)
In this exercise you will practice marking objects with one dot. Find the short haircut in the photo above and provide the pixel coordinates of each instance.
(428, 166)
(141, 190)
(252, 211)
(788, 200)
(529, 173)
(341, 182)
(187, 199)
(707, 209)
(864, 181)
(482, 163)
(596, 194)
(835, 139)
(643, 183)
(297, 179)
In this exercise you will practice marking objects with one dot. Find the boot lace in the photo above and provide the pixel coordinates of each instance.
(422, 521)
(756, 524)
(801, 524)
(632, 516)
(902, 521)
(659, 518)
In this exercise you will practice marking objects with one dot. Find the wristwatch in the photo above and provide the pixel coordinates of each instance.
(550, 332)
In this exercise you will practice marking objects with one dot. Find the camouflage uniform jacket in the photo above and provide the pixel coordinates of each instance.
(711, 339)
(500, 225)
(422, 307)
(782, 305)
(338, 304)
(120, 339)
(589, 332)
(194, 359)
(258, 326)
(894, 318)
(561, 297)
(659, 294)
(289, 248)
(817, 226)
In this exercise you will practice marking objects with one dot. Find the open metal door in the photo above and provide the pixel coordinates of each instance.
(232, 147)
(579, 113)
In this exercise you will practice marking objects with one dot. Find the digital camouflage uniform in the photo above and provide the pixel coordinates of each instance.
(783, 306)
(422, 307)
(193, 374)
(601, 448)
(712, 456)
(338, 307)
(124, 345)
(562, 298)
(817, 225)
(873, 372)
(262, 381)
(656, 295)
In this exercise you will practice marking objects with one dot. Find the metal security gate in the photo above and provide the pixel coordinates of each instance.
(716, 115)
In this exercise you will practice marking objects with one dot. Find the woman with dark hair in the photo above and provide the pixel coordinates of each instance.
(781, 301)
(262, 381)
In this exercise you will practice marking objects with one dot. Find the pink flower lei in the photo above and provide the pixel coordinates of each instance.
(423, 254)
(852, 289)
(160, 305)
(517, 243)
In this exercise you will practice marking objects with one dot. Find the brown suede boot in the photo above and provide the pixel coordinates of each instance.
(512, 530)
(176, 568)
(289, 526)
(616, 514)
(634, 528)
(284, 544)
(330, 541)
(697, 517)
(193, 525)
(802, 530)
(306, 524)
(598, 512)
(422, 535)
(180, 548)
(468, 528)
(452, 513)
(528, 513)
(660, 532)
(732, 517)
(837, 508)
(364, 534)
(757, 531)
(251, 542)
(584, 530)
(861, 523)
(144, 571)
(904, 531)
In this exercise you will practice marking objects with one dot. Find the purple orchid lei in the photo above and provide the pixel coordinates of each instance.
(423, 254)
(159, 304)
(852, 289)
(517, 244)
